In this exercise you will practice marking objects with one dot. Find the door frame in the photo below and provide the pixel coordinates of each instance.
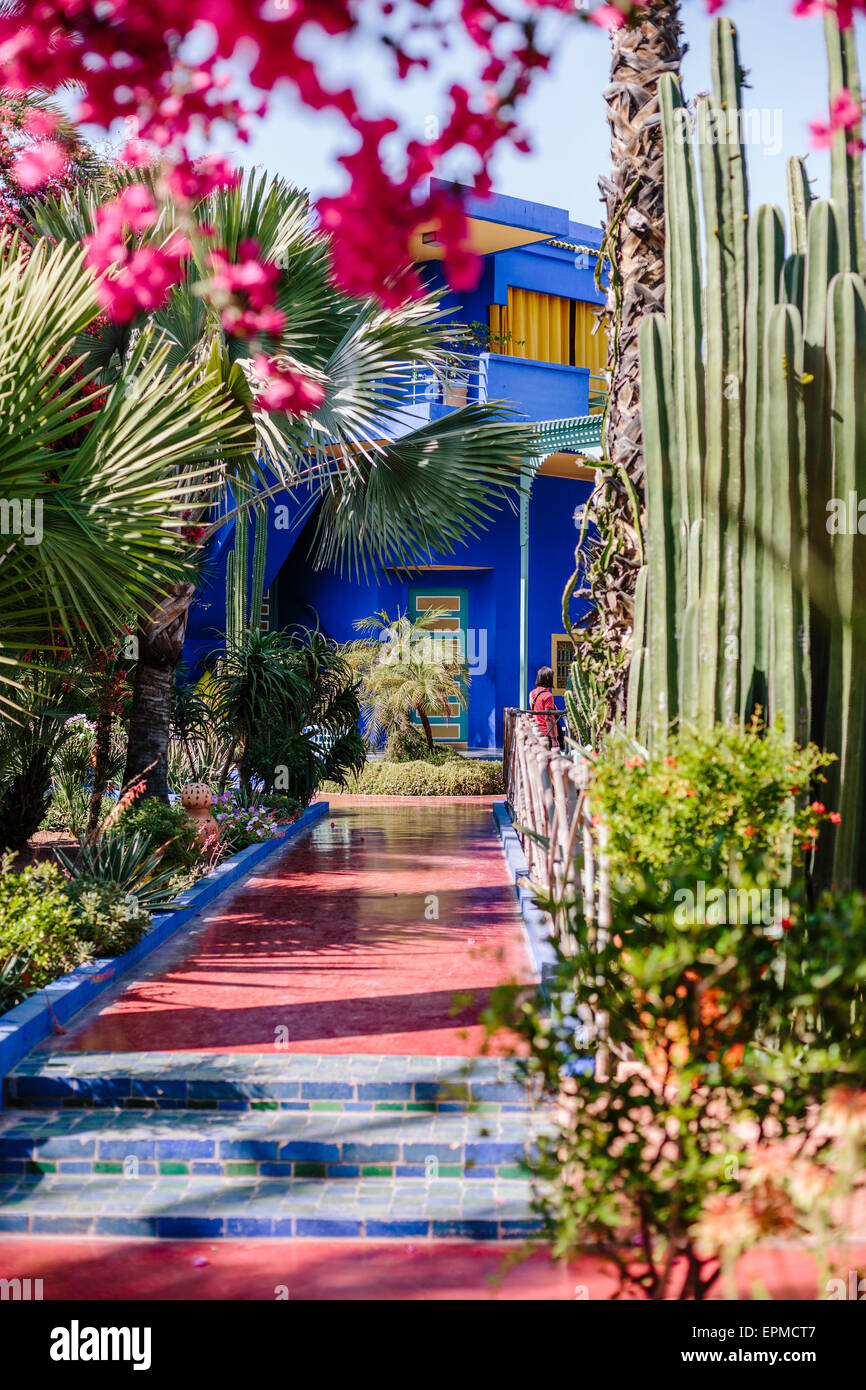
(444, 591)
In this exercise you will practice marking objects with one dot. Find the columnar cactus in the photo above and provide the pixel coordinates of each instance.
(240, 584)
(754, 413)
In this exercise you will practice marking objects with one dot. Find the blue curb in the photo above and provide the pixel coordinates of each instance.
(28, 1023)
(535, 922)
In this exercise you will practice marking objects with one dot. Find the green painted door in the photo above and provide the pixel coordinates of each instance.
(454, 727)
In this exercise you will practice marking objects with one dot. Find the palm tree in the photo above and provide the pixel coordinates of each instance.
(407, 666)
(94, 485)
(641, 51)
(385, 493)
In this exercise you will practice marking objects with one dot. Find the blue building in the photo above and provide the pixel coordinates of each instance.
(533, 312)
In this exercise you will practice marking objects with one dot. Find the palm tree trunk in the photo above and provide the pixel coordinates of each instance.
(635, 231)
(160, 643)
(425, 725)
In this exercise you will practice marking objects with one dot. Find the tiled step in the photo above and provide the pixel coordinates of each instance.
(258, 1081)
(209, 1208)
(269, 1144)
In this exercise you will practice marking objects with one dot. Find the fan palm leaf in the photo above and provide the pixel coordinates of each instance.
(109, 505)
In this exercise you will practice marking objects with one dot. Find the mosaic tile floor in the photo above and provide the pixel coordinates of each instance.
(293, 1065)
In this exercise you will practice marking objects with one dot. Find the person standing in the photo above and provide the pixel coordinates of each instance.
(541, 698)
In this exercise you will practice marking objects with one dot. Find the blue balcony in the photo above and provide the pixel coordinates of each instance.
(535, 390)
(538, 390)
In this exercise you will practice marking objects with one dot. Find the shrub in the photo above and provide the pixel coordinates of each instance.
(718, 797)
(38, 927)
(110, 920)
(242, 822)
(452, 777)
(713, 1137)
(282, 808)
(406, 745)
(166, 827)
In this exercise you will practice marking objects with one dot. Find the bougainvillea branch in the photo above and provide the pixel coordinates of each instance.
(129, 60)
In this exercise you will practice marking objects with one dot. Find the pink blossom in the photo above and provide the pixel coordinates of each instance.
(843, 9)
(193, 181)
(39, 124)
(845, 114)
(608, 17)
(34, 166)
(134, 280)
(244, 291)
(285, 388)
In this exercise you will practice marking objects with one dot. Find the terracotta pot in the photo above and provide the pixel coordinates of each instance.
(196, 799)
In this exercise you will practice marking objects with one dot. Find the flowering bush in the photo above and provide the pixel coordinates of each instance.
(242, 825)
(726, 1038)
(716, 798)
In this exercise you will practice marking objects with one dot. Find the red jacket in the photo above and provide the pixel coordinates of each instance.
(542, 698)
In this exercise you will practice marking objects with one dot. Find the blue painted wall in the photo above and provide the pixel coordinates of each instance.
(536, 390)
(305, 595)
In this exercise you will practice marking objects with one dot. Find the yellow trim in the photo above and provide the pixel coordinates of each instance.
(539, 326)
(555, 639)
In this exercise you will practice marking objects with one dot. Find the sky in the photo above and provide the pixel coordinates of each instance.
(565, 116)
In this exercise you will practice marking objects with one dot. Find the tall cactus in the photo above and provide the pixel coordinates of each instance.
(754, 414)
(845, 730)
(241, 584)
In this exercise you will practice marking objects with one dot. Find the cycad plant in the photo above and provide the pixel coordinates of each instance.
(384, 492)
(287, 708)
(407, 667)
(30, 745)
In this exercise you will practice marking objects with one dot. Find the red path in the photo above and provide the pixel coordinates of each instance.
(380, 1271)
(357, 939)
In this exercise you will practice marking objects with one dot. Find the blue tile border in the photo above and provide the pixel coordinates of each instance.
(535, 922)
(28, 1023)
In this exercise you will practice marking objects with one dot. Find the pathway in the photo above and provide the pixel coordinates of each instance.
(357, 939)
(293, 1064)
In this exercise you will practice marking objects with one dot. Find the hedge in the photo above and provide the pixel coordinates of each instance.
(457, 777)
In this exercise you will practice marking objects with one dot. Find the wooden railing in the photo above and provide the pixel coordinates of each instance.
(548, 794)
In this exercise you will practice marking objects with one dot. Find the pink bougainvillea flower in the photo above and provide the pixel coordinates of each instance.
(843, 9)
(39, 124)
(135, 280)
(285, 387)
(834, 818)
(608, 17)
(34, 166)
(192, 181)
(818, 807)
(244, 290)
(845, 114)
